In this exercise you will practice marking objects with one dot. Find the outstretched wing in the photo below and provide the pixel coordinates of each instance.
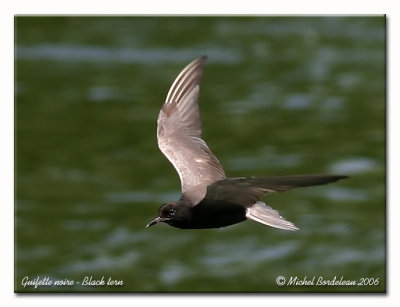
(248, 190)
(179, 135)
(264, 214)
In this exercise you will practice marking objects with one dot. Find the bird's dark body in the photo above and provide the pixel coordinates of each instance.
(209, 214)
(210, 199)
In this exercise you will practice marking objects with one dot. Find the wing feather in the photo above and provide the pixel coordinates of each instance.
(248, 190)
(179, 135)
(264, 214)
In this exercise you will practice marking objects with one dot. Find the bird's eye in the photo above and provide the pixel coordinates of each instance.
(171, 212)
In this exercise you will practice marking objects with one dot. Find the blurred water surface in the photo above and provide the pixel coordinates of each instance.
(280, 96)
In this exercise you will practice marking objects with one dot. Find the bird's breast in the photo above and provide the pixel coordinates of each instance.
(214, 214)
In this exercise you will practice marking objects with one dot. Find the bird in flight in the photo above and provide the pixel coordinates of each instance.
(210, 199)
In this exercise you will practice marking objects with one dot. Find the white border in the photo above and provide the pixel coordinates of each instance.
(7, 11)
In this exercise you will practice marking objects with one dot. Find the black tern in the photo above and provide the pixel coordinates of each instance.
(210, 199)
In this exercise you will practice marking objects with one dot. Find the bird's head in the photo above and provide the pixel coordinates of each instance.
(171, 213)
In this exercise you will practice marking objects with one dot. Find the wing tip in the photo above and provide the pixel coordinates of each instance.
(340, 177)
(199, 61)
(333, 178)
(293, 227)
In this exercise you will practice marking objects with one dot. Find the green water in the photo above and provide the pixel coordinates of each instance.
(279, 96)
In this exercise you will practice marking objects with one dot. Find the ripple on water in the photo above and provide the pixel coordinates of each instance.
(248, 249)
(100, 255)
(354, 166)
(297, 102)
(62, 53)
(129, 197)
(349, 255)
(102, 262)
(174, 272)
(343, 194)
(248, 163)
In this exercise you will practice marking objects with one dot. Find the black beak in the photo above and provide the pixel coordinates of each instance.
(155, 221)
